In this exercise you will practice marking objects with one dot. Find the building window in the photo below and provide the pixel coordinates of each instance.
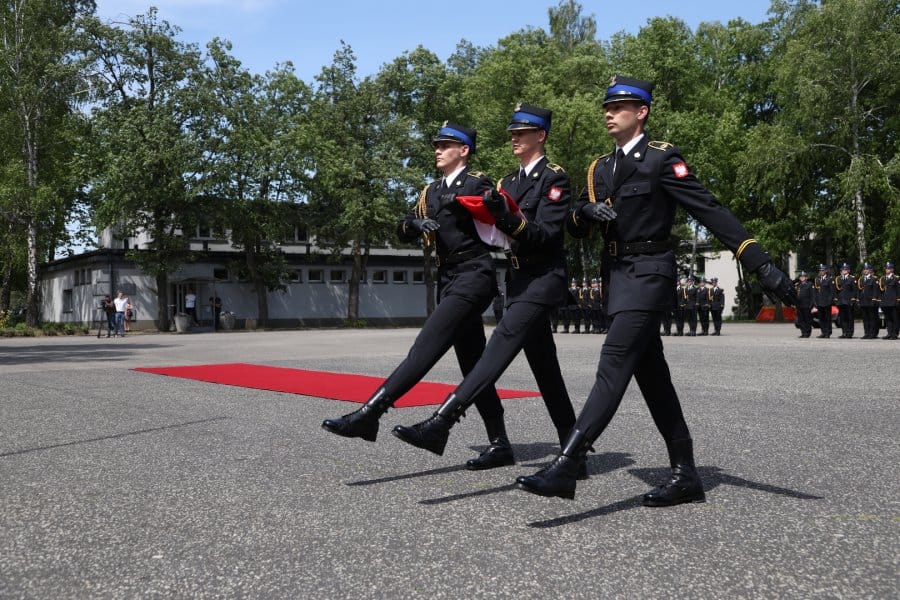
(220, 274)
(301, 234)
(203, 231)
(67, 301)
(337, 276)
(297, 276)
(398, 277)
(379, 276)
(418, 276)
(315, 276)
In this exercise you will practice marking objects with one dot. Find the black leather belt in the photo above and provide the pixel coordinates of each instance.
(517, 262)
(617, 248)
(455, 259)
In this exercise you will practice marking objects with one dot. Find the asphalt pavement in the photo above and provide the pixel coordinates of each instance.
(121, 484)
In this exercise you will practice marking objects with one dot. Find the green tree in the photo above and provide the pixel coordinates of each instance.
(835, 67)
(361, 182)
(39, 85)
(254, 162)
(142, 165)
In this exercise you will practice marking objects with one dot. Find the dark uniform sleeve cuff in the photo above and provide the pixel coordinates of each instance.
(510, 224)
(751, 255)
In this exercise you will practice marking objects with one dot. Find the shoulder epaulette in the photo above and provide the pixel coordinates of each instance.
(476, 174)
(660, 145)
(555, 168)
(605, 156)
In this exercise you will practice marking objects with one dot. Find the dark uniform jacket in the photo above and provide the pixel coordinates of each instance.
(704, 297)
(718, 298)
(688, 300)
(464, 261)
(584, 298)
(596, 298)
(649, 184)
(824, 290)
(846, 289)
(537, 244)
(804, 294)
(888, 289)
(868, 290)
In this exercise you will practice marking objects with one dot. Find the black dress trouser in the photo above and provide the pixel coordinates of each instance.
(525, 326)
(633, 347)
(456, 321)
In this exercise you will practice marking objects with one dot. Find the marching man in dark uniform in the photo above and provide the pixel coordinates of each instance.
(889, 297)
(824, 295)
(467, 284)
(631, 198)
(537, 283)
(867, 286)
(845, 286)
(804, 304)
(716, 305)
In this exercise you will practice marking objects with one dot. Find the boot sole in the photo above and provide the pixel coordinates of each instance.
(564, 495)
(484, 467)
(367, 437)
(401, 436)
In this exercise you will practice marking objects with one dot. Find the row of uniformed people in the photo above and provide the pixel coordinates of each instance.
(697, 300)
(583, 305)
(869, 292)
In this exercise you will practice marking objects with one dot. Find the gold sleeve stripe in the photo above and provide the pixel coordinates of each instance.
(590, 181)
(421, 209)
(743, 247)
(519, 229)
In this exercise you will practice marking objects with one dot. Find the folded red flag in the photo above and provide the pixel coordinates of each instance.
(479, 211)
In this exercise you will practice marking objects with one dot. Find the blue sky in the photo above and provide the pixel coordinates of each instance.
(307, 33)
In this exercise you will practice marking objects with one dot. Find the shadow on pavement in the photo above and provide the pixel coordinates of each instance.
(109, 437)
(596, 465)
(713, 477)
(23, 355)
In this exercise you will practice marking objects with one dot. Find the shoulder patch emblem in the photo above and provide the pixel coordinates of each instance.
(660, 145)
(681, 170)
(555, 168)
(555, 194)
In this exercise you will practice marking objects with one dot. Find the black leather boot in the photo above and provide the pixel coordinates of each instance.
(684, 485)
(560, 477)
(362, 423)
(582, 461)
(432, 433)
(499, 453)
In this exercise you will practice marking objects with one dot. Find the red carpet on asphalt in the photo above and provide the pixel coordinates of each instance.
(335, 386)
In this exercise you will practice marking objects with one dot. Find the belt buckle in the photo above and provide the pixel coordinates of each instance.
(514, 261)
(613, 248)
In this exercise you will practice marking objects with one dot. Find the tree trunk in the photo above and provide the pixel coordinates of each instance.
(5, 287)
(860, 225)
(31, 303)
(162, 301)
(259, 286)
(353, 284)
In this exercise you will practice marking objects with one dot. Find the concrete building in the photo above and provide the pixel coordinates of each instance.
(392, 288)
